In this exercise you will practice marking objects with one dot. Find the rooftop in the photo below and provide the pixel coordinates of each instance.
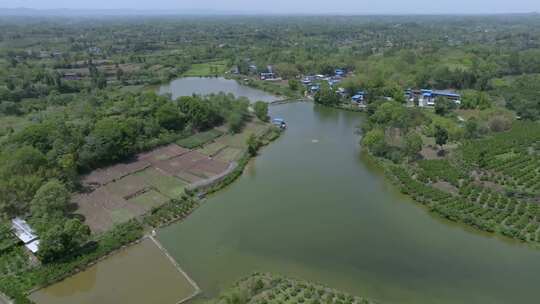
(33, 246)
(23, 231)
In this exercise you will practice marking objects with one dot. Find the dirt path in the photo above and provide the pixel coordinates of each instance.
(4, 299)
(173, 261)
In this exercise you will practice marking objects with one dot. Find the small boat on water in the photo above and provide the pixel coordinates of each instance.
(279, 122)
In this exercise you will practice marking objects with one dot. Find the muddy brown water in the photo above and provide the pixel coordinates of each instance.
(140, 274)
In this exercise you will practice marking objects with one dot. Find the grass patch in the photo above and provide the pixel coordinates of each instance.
(239, 140)
(229, 154)
(121, 216)
(12, 122)
(199, 139)
(132, 88)
(150, 199)
(207, 69)
(127, 186)
(169, 186)
(212, 149)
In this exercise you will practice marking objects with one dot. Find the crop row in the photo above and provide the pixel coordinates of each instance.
(293, 292)
(438, 169)
(520, 139)
(480, 207)
(518, 171)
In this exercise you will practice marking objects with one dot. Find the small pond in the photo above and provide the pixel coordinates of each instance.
(188, 86)
(140, 274)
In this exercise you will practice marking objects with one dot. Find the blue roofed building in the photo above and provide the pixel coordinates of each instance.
(315, 88)
(279, 122)
(359, 98)
(340, 72)
(429, 97)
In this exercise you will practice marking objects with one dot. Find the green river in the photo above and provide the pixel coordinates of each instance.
(312, 207)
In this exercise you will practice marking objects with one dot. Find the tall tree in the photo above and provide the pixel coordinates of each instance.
(261, 110)
(413, 144)
(441, 136)
(51, 200)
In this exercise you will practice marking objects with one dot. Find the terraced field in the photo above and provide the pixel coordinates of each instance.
(124, 191)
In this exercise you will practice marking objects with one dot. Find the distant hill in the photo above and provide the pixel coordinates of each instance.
(110, 12)
(65, 12)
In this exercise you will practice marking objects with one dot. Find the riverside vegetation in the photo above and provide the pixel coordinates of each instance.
(486, 177)
(271, 289)
(42, 162)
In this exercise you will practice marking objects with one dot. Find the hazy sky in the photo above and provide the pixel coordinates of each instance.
(295, 6)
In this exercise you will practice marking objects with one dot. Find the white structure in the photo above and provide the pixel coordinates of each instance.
(22, 230)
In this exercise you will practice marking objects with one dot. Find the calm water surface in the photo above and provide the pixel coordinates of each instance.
(204, 86)
(140, 274)
(310, 207)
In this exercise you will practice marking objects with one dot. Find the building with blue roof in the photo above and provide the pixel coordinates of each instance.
(279, 122)
(428, 97)
(339, 72)
(359, 98)
(315, 88)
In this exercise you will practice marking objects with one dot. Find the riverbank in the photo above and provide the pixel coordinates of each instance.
(138, 274)
(4, 299)
(203, 86)
(19, 286)
(274, 289)
(177, 210)
(487, 181)
(279, 89)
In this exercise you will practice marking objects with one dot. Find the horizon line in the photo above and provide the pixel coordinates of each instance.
(210, 12)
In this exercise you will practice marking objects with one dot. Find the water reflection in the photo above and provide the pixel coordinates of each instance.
(204, 86)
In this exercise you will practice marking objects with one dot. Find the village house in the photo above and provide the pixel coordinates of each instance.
(23, 232)
(342, 92)
(44, 54)
(307, 80)
(340, 72)
(71, 76)
(94, 50)
(280, 123)
(314, 88)
(252, 68)
(359, 98)
(427, 97)
(267, 76)
(332, 81)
